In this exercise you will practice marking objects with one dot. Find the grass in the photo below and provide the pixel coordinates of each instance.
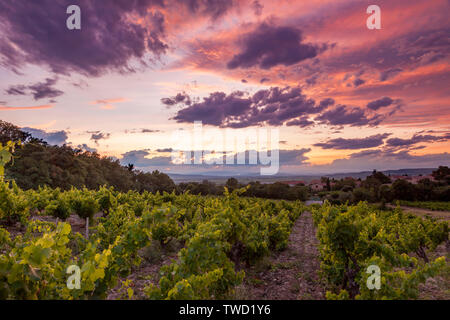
(429, 205)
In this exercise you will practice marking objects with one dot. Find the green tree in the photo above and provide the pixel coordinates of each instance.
(442, 174)
(232, 184)
(403, 190)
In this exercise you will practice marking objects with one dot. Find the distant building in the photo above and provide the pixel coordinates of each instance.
(398, 177)
(317, 185)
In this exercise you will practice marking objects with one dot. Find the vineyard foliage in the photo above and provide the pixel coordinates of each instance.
(429, 205)
(354, 237)
(216, 235)
(213, 231)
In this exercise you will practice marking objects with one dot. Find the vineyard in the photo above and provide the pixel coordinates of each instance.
(429, 205)
(218, 238)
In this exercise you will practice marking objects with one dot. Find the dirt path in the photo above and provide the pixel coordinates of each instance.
(288, 275)
(153, 258)
(444, 215)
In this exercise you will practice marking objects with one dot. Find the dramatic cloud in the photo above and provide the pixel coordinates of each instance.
(213, 8)
(35, 32)
(325, 103)
(19, 90)
(258, 48)
(349, 144)
(85, 147)
(293, 157)
(395, 54)
(179, 98)
(389, 73)
(380, 103)
(385, 159)
(357, 82)
(139, 159)
(223, 57)
(417, 138)
(97, 136)
(53, 138)
(302, 122)
(273, 106)
(40, 90)
(257, 7)
(344, 115)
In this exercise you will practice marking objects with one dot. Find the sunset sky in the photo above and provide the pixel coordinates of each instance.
(344, 98)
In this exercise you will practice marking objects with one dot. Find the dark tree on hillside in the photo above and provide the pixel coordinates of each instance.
(232, 184)
(10, 132)
(403, 190)
(442, 174)
(37, 164)
(380, 176)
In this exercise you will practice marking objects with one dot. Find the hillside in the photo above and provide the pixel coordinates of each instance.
(37, 163)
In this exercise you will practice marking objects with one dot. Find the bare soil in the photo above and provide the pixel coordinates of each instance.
(153, 258)
(438, 287)
(292, 274)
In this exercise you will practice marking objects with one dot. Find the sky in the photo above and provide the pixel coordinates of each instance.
(341, 97)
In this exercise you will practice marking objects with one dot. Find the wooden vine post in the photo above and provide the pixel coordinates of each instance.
(87, 228)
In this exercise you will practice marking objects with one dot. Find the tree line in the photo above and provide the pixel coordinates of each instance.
(277, 190)
(37, 163)
(378, 187)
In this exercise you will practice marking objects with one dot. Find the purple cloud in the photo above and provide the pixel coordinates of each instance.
(272, 106)
(85, 147)
(138, 158)
(301, 122)
(257, 7)
(415, 139)
(357, 82)
(358, 143)
(380, 103)
(179, 98)
(53, 138)
(389, 73)
(325, 103)
(97, 135)
(18, 90)
(213, 8)
(258, 48)
(35, 32)
(40, 90)
(343, 115)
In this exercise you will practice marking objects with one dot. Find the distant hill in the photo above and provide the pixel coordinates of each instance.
(178, 178)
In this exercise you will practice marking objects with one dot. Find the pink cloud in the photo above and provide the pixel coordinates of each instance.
(5, 108)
